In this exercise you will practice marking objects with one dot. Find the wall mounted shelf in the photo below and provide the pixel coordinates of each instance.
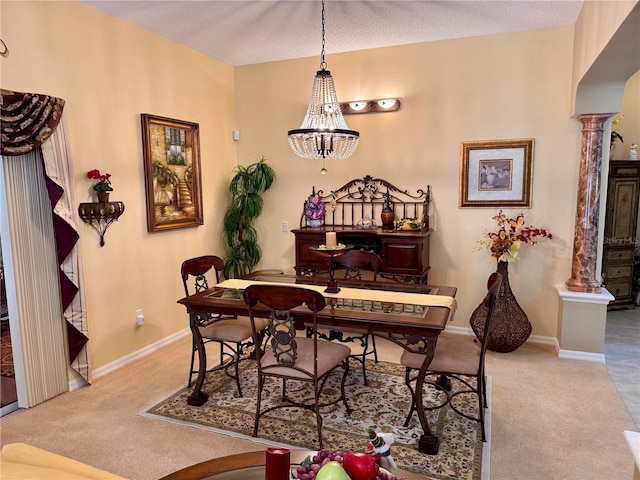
(100, 215)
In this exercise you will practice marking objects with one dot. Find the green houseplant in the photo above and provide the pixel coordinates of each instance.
(246, 186)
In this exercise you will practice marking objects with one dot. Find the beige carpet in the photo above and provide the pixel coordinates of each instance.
(552, 419)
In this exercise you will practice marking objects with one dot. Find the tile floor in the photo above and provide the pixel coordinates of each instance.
(622, 356)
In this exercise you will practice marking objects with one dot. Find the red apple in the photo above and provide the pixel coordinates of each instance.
(360, 466)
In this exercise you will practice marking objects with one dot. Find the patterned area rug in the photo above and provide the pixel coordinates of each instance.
(6, 352)
(382, 404)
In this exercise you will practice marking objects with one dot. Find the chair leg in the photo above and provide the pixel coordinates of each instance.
(484, 390)
(367, 340)
(365, 352)
(221, 352)
(481, 395)
(342, 391)
(317, 411)
(373, 344)
(407, 381)
(237, 367)
(257, 419)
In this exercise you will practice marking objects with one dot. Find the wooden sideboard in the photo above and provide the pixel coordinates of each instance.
(620, 233)
(404, 253)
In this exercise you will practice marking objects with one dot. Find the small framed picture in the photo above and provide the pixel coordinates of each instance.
(496, 173)
(171, 150)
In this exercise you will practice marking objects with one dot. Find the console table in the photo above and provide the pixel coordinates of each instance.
(354, 212)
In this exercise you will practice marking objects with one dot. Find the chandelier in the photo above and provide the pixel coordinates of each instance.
(323, 132)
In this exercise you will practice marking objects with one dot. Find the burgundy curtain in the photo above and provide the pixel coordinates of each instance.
(26, 121)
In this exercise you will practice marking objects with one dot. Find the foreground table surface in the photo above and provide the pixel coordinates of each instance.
(248, 466)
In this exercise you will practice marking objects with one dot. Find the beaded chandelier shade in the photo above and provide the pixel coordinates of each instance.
(323, 132)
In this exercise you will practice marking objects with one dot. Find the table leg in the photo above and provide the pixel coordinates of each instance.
(428, 442)
(198, 397)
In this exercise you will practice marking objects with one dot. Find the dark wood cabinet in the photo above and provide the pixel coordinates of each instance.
(369, 201)
(620, 233)
(405, 254)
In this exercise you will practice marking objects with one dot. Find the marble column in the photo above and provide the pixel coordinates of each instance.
(585, 243)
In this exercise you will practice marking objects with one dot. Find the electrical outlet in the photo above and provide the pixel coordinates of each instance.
(139, 317)
(285, 226)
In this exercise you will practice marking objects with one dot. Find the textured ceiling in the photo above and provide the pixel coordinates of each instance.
(240, 32)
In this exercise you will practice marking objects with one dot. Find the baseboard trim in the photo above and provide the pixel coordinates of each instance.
(7, 409)
(532, 339)
(540, 340)
(127, 359)
(577, 355)
(121, 362)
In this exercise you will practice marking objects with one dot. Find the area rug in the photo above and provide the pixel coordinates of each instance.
(6, 352)
(383, 404)
(8, 393)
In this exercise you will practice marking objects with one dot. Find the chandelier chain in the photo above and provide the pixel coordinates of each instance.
(323, 64)
(323, 132)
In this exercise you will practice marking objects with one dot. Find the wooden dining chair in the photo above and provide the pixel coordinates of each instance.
(233, 334)
(458, 358)
(355, 262)
(292, 357)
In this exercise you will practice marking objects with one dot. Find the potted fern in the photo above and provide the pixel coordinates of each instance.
(246, 187)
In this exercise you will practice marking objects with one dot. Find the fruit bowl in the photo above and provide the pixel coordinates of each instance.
(336, 465)
(339, 246)
(408, 224)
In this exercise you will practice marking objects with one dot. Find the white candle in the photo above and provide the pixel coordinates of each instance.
(330, 239)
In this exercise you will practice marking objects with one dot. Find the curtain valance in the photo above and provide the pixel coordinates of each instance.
(30, 121)
(27, 120)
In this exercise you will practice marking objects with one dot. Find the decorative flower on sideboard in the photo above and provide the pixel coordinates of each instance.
(315, 208)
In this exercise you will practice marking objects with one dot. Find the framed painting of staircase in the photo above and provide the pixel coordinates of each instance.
(171, 151)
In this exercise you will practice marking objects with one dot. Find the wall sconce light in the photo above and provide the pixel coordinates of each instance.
(100, 216)
(370, 106)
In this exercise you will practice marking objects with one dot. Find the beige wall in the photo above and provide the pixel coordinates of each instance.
(485, 88)
(629, 126)
(110, 72)
(598, 22)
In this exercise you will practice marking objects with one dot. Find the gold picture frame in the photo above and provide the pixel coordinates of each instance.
(496, 173)
(171, 150)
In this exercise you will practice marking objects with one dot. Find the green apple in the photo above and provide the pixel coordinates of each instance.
(332, 471)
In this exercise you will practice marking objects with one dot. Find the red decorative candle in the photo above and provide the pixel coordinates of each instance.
(277, 464)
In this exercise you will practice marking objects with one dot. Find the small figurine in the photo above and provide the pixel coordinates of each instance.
(633, 152)
(380, 444)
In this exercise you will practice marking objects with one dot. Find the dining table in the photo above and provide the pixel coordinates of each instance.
(411, 315)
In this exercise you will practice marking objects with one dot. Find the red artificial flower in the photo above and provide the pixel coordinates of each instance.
(505, 242)
(96, 175)
(103, 183)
